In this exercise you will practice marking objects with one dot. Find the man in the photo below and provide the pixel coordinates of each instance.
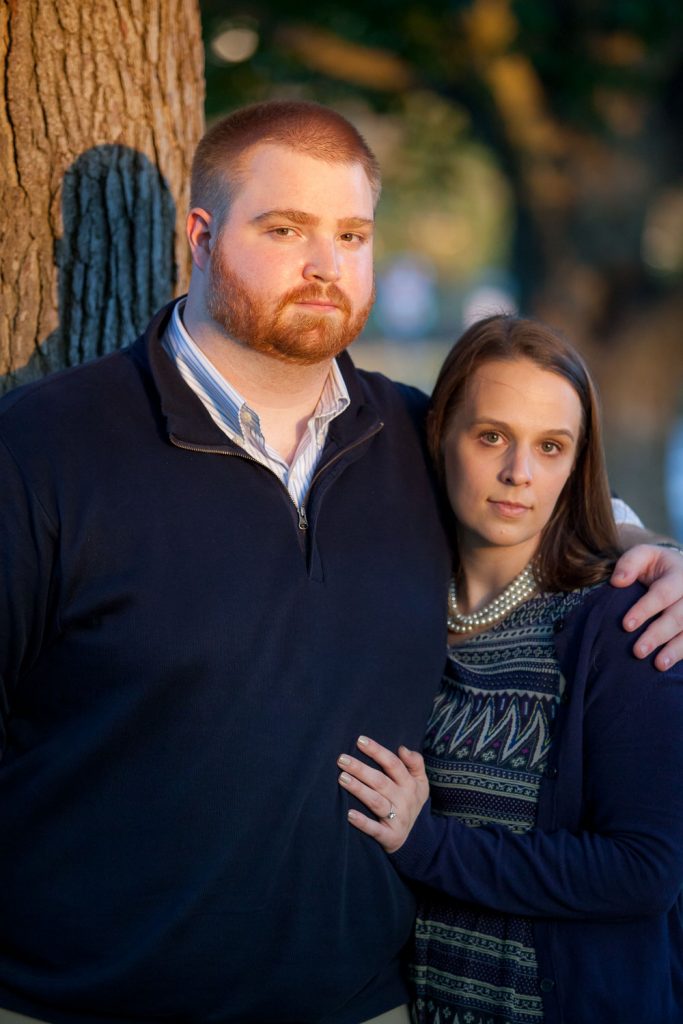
(222, 556)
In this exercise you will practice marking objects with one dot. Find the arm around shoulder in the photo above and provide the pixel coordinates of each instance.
(626, 858)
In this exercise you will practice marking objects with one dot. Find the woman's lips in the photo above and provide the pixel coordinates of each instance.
(509, 509)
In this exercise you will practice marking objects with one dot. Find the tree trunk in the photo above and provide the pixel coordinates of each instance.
(101, 107)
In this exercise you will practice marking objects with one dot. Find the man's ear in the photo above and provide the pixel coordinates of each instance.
(199, 228)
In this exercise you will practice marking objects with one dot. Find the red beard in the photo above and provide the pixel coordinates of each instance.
(304, 337)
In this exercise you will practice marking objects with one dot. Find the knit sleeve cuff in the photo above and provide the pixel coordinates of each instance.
(414, 858)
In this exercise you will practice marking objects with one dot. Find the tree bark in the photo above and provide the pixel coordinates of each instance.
(101, 107)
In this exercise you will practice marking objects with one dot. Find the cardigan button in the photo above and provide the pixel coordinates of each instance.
(558, 625)
(547, 985)
(550, 773)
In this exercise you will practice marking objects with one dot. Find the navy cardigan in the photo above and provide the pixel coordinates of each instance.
(601, 873)
(180, 666)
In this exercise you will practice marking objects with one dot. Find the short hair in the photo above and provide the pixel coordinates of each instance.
(220, 159)
(579, 543)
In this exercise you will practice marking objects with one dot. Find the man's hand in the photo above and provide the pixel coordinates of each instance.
(661, 570)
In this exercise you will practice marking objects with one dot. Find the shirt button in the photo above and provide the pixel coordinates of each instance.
(547, 985)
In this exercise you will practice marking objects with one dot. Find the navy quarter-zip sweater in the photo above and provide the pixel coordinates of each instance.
(180, 666)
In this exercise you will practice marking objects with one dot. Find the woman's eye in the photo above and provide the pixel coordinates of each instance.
(550, 447)
(491, 437)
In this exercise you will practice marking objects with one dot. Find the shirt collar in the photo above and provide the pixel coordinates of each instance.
(192, 362)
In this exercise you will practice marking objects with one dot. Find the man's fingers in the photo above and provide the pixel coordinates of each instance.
(638, 562)
(658, 598)
(650, 563)
(623, 574)
(669, 655)
(666, 632)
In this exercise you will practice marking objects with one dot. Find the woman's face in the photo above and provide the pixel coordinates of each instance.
(508, 451)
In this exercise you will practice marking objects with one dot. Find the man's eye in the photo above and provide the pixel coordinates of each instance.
(282, 232)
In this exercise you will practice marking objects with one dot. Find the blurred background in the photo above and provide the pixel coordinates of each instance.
(532, 161)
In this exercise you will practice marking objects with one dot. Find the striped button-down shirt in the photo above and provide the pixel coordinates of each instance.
(229, 411)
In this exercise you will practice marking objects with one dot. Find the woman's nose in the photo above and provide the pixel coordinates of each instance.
(517, 468)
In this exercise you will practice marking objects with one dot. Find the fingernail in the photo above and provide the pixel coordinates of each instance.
(665, 662)
(352, 815)
(344, 779)
(343, 759)
(363, 741)
(643, 649)
(631, 623)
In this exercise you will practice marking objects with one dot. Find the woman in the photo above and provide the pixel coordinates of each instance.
(550, 856)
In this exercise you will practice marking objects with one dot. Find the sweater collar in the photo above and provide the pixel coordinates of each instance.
(187, 419)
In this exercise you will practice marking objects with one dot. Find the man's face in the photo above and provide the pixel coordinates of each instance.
(290, 273)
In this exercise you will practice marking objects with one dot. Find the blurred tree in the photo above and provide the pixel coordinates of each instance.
(581, 103)
(581, 106)
(100, 111)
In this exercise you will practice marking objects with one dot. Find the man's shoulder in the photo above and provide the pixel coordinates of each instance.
(387, 394)
(69, 406)
(64, 388)
(87, 384)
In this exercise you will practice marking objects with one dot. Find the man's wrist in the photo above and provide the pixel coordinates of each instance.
(671, 546)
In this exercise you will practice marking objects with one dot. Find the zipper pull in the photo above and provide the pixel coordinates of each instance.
(303, 521)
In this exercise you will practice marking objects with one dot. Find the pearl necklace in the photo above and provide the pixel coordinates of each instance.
(514, 594)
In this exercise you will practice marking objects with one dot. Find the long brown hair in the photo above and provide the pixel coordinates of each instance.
(579, 542)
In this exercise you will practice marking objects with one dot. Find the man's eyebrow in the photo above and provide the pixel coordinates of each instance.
(309, 219)
(356, 222)
(295, 216)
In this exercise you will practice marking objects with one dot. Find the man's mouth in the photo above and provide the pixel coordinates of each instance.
(318, 304)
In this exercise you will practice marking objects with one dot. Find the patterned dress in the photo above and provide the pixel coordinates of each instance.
(486, 749)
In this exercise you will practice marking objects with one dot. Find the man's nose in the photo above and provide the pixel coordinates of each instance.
(322, 263)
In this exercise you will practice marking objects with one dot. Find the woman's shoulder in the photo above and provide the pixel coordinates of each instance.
(594, 640)
(593, 624)
(601, 603)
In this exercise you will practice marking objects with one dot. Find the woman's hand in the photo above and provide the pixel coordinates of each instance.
(396, 794)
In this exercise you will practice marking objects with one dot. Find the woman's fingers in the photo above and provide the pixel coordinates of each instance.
(390, 764)
(365, 773)
(370, 827)
(413, 761)
(379, 802)
(395, 794)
